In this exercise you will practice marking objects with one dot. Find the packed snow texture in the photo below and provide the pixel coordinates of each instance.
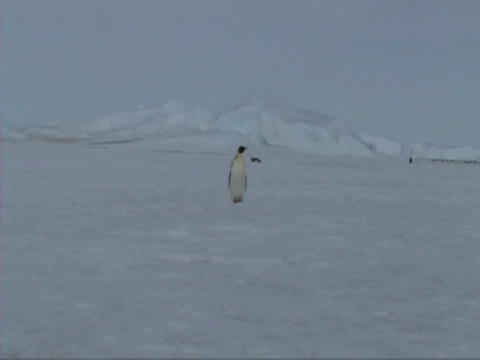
(135, 250)
(256, 120)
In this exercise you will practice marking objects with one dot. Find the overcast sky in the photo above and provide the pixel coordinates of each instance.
(405, 70)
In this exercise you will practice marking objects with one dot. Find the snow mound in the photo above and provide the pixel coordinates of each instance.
(255, 120)
(382, 145)
(168, 120)
(432, 152)
(259, 120)
(263, 120)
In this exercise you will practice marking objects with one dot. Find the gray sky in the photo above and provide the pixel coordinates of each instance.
(406, 70)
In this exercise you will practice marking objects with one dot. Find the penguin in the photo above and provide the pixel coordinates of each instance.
(237, 179)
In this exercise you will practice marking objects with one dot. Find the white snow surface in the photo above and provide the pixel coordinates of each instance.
(135, 250)
(259, 120)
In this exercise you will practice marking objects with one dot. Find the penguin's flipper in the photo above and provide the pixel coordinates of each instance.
(230, 174)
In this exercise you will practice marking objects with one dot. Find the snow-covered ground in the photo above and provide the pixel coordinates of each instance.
(135, 250)
(258, 120)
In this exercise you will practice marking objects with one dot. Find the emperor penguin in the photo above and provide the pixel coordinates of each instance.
(237, 179)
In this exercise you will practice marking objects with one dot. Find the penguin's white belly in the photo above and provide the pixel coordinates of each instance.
(237, 183)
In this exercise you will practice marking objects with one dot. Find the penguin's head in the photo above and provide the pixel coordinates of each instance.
(241, 149)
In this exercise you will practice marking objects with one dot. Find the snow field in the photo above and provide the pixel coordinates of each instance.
(135, 250)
